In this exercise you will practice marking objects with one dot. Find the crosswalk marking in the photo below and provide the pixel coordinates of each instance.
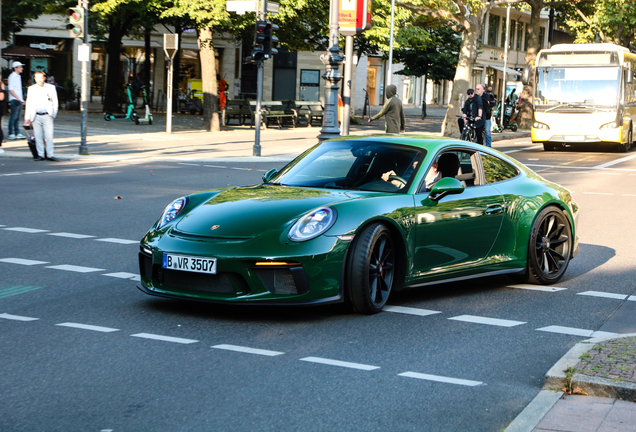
(21, 261)
(17, 317)
(74, 268)
(441, 379)
(88, 327)
(485, 320)
(331, 362)
(410, 310)
(248, 350)
(164, 338)
(603, 294)
(575, 331)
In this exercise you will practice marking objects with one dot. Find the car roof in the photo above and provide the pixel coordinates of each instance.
(428, 142)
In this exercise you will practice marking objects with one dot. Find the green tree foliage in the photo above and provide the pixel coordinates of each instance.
(16, 13)
(609, 21)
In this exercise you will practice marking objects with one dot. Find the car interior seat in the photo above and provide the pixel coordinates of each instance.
(448, 165)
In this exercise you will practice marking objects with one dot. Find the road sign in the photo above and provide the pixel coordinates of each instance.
(170, 44)
(354, 16)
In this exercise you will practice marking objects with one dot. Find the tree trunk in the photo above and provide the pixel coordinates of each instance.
(113, 83)
(147, 54)
(463, 74)
(525, 117)
(208, 77)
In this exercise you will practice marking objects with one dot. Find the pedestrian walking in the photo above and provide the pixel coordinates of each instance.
(393, 112)
(4, 97)
(41, 109)
(16, 100)
(488, 102)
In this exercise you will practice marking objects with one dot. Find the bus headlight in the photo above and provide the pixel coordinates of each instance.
(539, 125)
(608, 126)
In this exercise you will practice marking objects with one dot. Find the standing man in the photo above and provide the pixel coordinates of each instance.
(41, 109)
(488, 104)
(16, 100)
(395, 121)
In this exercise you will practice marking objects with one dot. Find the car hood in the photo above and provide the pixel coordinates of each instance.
(245, 212)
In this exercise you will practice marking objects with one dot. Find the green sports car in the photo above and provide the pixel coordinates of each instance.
(355, 218)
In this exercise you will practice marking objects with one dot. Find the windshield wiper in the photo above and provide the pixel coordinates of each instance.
(575, 105)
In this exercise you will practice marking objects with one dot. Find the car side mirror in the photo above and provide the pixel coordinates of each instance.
(446, 186)
(269, 175)
(526, 75)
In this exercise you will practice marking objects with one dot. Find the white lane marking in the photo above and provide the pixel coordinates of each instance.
(597, 193)
(26, 230)
(121, 275)
(77, 269)
(574, 331)
(189, 164)
(33, 172)
(614, 162)
(88, 327)
(241, 169)
(116, 240)
(247, 350)
(136, 278)
(339, 363)
(17, 317)
(631, 298)
(526, 148)
(51, 171)
(608, 173)
(410, 311)
(603, 294)
(164, 338)
(630, 195)
(485, 320)
(440, 379)
(70, 235)
(12, 174)
(537, 288)
(22, 261)
(567, 167)
(214, 166)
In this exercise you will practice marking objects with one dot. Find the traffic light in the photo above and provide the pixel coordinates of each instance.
(270, 42)
(75, 22)
(258, 53)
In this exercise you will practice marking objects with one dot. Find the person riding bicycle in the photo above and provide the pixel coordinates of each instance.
(473, 107)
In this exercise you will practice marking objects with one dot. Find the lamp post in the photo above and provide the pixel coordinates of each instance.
(332, 59)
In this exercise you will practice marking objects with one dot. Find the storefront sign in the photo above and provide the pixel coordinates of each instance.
(354, 16)
(42, 46)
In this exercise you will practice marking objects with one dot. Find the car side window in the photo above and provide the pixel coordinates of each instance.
(496, 170)
(458, 164)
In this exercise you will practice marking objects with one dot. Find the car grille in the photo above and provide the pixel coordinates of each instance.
(283, 280)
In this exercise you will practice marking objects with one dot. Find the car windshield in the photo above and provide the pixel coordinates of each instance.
(576, 88)
(354, 165)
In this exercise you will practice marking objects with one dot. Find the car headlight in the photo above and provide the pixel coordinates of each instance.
(312, 224)
(171, 212)
(607, 126)
(539, 125)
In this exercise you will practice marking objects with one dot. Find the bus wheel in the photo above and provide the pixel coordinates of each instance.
(548, 146)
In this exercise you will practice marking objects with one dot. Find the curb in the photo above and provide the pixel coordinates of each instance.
(535, 411)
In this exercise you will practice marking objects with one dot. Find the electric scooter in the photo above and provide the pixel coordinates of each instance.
(507, 124)
(131, 114)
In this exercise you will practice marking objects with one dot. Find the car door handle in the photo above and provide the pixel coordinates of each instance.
(494, 209)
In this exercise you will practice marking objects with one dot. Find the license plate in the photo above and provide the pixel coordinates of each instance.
(572, 138)
(189, 263)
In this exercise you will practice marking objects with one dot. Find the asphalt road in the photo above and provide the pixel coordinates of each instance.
(82, 349)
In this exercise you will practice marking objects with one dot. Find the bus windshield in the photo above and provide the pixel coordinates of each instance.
(577, 88)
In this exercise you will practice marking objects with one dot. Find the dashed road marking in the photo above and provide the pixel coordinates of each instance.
(21, 261)
(331, 362)
(16, 290)
(410, 310)
(70, 235)
(488, 321)
(248, 350)
(441, 379)
(164, 338)
(598, 193)
(88, 327)
(117, 240)
(122, 275)
(17, 317)
(73, 268)
(537, 288)
(575, 331)
(26, 230)
(603, 294)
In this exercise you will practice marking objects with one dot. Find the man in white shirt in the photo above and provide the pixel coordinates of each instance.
(16, 100)
(41, 109)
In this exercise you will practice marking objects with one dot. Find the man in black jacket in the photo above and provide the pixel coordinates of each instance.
(488, 102)
(474, 107)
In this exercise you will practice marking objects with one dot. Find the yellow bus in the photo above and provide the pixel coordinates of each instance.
(584, 93)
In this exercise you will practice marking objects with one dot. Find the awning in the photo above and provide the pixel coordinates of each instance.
(499, 68)
(22, 52)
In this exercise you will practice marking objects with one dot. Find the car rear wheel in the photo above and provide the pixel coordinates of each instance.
(549, 248)
(372, 269)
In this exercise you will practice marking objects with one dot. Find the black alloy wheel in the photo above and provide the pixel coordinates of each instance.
(550, 247)
(372, 270)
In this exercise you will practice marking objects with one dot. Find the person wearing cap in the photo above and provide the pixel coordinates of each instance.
(474, 107)
(16, 100)
(41, 109)
(466, 109)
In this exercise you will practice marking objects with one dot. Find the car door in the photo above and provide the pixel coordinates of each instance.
(458, 230)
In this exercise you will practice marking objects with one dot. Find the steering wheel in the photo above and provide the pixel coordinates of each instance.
(398, 178)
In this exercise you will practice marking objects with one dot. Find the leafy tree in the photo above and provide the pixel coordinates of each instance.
(15, 15)
(429, 52)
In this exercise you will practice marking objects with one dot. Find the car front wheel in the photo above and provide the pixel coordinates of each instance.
(550, 247)
(372, 269)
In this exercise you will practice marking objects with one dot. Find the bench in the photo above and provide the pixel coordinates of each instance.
(236, 109)
(272, 112)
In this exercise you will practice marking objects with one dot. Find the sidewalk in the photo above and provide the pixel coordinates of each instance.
(121, 139)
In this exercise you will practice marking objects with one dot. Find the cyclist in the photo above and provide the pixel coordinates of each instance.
(474, 107)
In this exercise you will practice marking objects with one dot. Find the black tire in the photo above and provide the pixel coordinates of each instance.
(150, 121)
(372, 269)
(107, 116)
(513, 128)
(549, 248)
(548, 147)
(464, 135)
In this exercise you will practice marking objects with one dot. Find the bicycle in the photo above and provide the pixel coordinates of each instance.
(469, 133)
